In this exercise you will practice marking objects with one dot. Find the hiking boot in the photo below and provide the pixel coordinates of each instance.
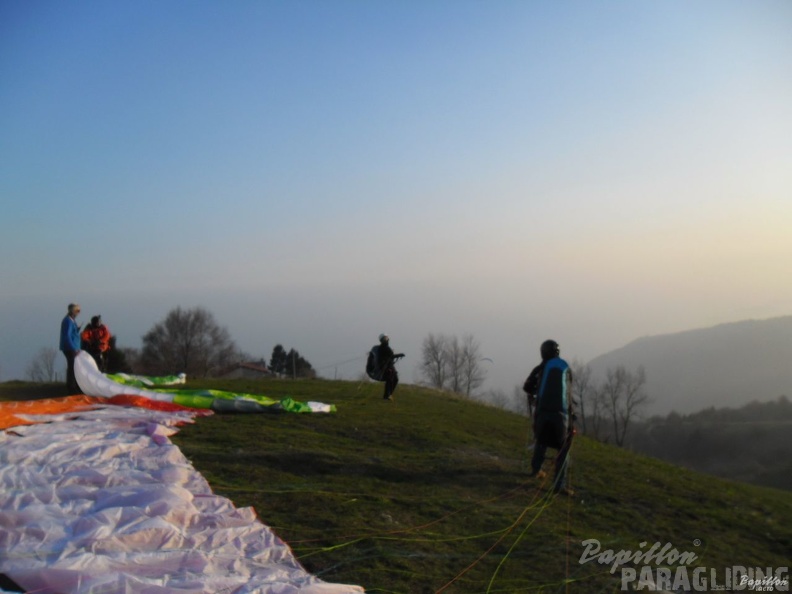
(565, 491)
(539, 474)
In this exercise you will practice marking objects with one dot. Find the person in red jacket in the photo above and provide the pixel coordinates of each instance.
(96, 340)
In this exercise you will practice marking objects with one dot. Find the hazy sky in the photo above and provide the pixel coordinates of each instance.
(315, 173)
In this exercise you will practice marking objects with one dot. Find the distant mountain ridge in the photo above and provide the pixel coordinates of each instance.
(723, 366)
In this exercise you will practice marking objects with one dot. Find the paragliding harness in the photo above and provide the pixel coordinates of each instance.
(372, 364)
(374, 367)
(531, 387)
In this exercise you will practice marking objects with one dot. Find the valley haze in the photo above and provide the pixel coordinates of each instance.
(316, 173)
(728, 365)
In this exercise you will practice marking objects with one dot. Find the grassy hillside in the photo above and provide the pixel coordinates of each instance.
(430, 494)
(749, 444)
(19, 390)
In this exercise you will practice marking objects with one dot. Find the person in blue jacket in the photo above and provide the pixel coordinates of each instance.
(70, 345)
(548, 388)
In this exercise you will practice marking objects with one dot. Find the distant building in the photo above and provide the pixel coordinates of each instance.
(252, 370)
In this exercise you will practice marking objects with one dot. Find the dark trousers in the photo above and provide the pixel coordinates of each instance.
(100, 358)
(551, 432)
(71, 381)
(391, 379)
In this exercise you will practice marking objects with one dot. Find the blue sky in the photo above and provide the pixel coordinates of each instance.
(315, 173)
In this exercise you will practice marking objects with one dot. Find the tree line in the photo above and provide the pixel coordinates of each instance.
(605, 410)
(43, 367)
(451, 364)
(186, 341)
(290, 364)
(750, 443)
(191, 341)
(608, 409)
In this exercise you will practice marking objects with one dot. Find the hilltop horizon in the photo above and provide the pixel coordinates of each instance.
(726, 365)
(322, 348)
(316, 173)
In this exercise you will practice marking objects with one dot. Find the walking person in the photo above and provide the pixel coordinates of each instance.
(381, 366)
(548, 388)
(70, 345)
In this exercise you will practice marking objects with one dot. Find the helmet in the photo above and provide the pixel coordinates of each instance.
(96, 320)
(549, 349)
(383, 338)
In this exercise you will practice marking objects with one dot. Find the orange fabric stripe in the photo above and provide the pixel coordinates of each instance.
(46, 406)
(143, 402)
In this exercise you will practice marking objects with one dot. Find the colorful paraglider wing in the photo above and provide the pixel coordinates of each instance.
(29, 412)
(101, 501)
(94, 383)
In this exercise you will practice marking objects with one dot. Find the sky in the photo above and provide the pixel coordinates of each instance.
(315, 173)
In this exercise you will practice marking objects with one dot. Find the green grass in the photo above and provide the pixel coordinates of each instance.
(430, 493)
(19, 390)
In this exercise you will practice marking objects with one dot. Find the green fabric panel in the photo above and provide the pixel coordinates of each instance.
(144, 382)
(205, 399)
(215, 399)
(265, 400)
(243, 405)
(193, 400)
(236, 401)
(291, 405)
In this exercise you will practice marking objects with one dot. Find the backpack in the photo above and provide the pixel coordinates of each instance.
(372, 364)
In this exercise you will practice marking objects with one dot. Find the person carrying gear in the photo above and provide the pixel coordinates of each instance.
(96, 340)
(70, 345)
(548, 388)
(380, 365)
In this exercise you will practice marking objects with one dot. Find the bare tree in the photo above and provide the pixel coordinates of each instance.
(473, 374)
(625, 396)
(433, 362)
(188, 341)
(583, 391)
(597, 424)
(454, 365)
(42, 367)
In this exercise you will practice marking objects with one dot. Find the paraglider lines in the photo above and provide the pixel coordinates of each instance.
(506, 532)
